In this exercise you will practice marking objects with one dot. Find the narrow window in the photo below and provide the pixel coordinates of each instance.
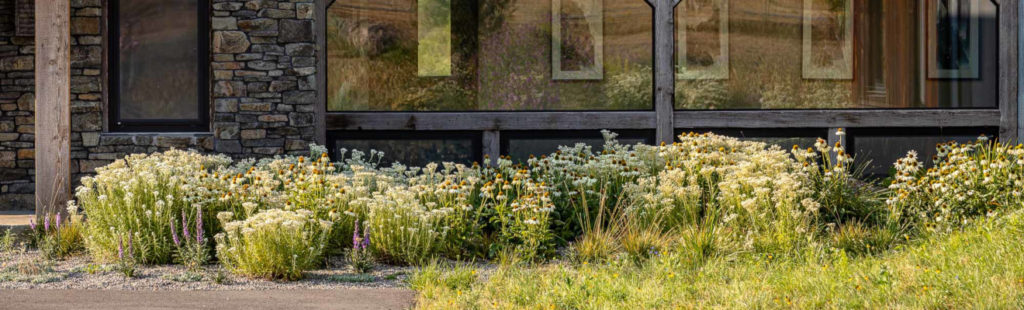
(158, 65)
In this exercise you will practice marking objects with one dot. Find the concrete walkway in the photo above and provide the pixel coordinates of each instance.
(247, 300)
(16, 220)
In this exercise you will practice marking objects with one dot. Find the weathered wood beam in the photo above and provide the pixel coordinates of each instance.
(53, 106)
(321, 76)
(490, 120)
(1008, 66)
(484, 121)
(838, 118)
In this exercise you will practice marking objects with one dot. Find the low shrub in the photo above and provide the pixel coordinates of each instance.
(273, 244)
(750, 195)
(7, 241)
(404, 229)
(140, 195)
(968, 180)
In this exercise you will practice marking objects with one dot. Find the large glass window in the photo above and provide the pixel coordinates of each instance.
(520, 145)
(833, 54)
(785, 138)
(158, 58)
(459, 55)
(880, 148)
(408, 148)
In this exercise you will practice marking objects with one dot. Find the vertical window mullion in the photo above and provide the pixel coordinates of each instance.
(664, 70)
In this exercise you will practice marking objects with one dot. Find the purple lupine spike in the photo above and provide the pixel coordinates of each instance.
(355, 237)
(199, 225)
(184, 226)
(56, 221)
(120, 248)
(32, 223)
(131, 249)
(46, 223)
(174, 234)
(366, 239)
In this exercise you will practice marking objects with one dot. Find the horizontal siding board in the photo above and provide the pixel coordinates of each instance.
(838, 118)
(490, 120)
(647, 119)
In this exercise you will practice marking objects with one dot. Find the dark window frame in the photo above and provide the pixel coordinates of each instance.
(114, 121)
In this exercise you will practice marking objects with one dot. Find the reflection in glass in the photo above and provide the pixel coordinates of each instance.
(953, 38)
(158, 56)
(828, 39)
(521, 149)
(500, 53)
(416, 153)
(784, 138)
(577, 36)
(844, 54)
(879, 153)
(702, 40)
(435, 38)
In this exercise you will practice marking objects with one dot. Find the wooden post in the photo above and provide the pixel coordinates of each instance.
(319, 119)
(53, 105)
(664, 70)
(492, 145)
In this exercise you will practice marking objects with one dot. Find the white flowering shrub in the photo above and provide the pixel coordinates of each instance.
(836, 184)
(968, 180)
(140, 196)
(755, 195)
(584, 183)
(711, 191)
(273, 244)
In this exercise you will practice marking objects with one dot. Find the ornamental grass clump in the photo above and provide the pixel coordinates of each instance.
(140, 195)
(273, 244)
(968, 180)
(59, 236)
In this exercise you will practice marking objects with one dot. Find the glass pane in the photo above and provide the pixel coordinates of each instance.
(414, 152)
(785, 138)
(460, 55)
(836, 54)
(520, 146)
(883, 151)
(157, 59)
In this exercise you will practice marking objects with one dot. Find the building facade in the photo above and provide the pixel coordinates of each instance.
(461, 80)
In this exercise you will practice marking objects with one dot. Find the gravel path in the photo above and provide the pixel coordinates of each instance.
(378, 298)
(29, 271)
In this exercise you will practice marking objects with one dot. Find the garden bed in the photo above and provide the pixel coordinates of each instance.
(705, 222)
(28, 270)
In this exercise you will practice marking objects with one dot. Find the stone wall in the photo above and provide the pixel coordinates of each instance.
(264, 72)
(16, 130)
(263, 82)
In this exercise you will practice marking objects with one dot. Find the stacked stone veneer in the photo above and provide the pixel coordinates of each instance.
(263, 92)
(16, 119)
(264, 72)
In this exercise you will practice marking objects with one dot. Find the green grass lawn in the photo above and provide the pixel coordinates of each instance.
(980, 267)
